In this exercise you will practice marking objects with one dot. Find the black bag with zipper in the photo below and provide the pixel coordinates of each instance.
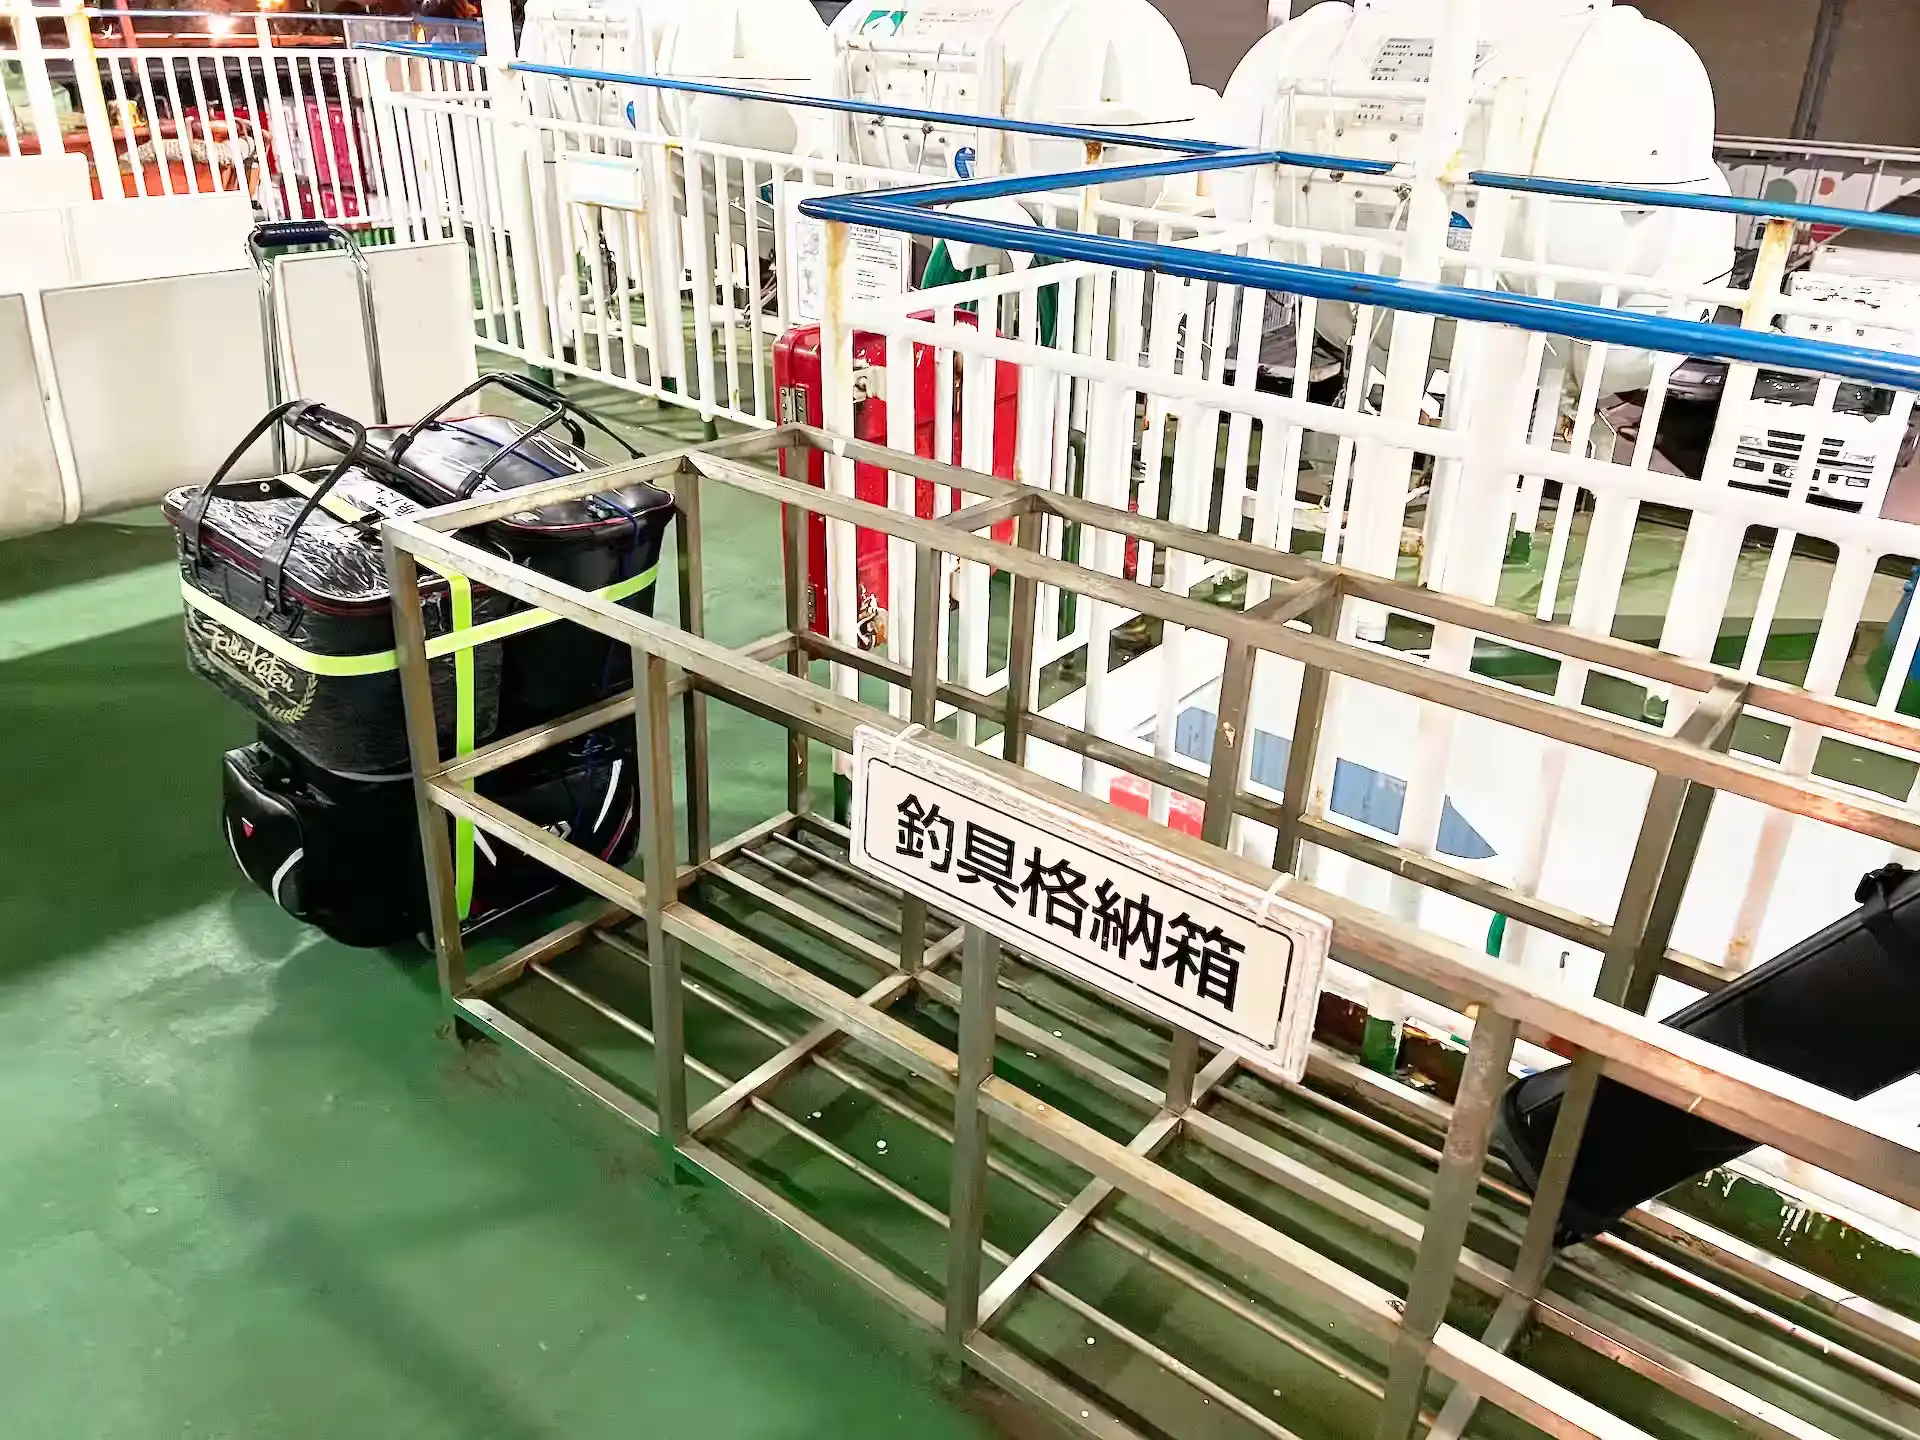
(608, 541)
(288, 610)
(344, 855)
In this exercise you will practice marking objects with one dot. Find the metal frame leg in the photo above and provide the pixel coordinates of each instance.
(1308, 718)
(1445, 1232)
(423, 747)
(660, 873)
(693, 705)
(794, 524)
(979, 993)
(1663, 856)
(1183, 1065)
(1229, 743)
(927, 604)
(1020, 625)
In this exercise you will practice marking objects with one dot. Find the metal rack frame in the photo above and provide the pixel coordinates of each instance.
(1298, 620)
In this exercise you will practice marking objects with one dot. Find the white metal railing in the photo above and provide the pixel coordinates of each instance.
(667, 267)
(1149, 392)
(683, 308)
(1742, 914)
(188, 102)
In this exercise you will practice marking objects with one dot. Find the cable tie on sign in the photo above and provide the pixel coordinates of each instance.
(899, 738)
(1266, 901)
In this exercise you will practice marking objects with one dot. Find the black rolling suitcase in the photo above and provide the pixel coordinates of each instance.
(1831, 1010)
(343, 855)
(289, 613)
(607, 542)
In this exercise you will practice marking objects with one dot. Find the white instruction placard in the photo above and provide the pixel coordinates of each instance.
(876, 259)
(1179, 939)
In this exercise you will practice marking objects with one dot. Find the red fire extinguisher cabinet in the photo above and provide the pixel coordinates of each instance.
(796, 377)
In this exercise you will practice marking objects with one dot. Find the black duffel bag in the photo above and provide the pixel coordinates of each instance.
(608, 542)
(288, 609)
(1825, 1011)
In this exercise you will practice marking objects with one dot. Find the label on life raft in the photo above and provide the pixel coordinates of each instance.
(1405, 60)
(944, 18)
(283, 692)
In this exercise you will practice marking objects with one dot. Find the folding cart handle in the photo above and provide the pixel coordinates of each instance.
(278, 234)
(272, 235)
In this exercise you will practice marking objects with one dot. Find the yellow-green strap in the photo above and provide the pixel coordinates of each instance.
(331, 503)
(381, 661)
(378, 663)
(525, 620)
(461, 590)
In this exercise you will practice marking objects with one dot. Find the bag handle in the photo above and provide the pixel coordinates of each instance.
(293, 414)
(273, 565)
(194, 513)
(560, 409)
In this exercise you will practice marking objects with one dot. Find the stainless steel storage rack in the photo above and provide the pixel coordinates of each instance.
(1252, 1256)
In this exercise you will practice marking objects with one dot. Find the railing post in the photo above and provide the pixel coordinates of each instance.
(93, 103)
(518, 153)
(1711, 551)
(1489, 405)
(1378, 502)
(378, 70)
(33, 69)
(1832, 647)
(279, 130)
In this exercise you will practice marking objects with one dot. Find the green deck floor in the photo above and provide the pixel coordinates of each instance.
(246, 1190)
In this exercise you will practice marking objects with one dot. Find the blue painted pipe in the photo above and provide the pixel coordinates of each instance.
(1682, 200)
(906, 211)
(947, 194)
(464, 52)
(1089, 133)
(1455, 302)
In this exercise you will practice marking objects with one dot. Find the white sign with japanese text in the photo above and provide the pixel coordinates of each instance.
(1179, 939)
(876, 259)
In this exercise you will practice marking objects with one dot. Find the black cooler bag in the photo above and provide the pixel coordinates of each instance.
(1826, 1011)
(288, 610)
(344, 855)
(608, 542)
